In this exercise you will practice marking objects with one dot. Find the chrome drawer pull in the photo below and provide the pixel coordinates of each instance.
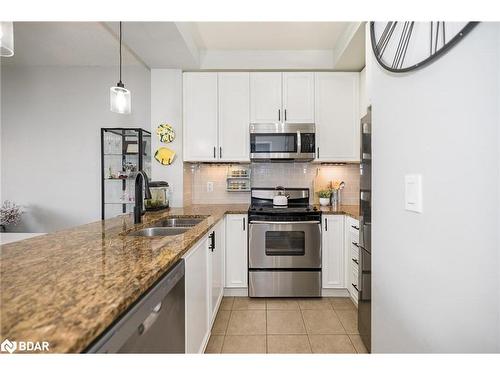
(355, 261)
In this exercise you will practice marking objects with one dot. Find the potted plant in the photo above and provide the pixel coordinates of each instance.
(324, 197)
(10, 214)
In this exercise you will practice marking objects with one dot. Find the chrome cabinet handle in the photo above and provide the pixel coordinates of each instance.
(285, 114)
(215, 148)
(279, 114)
(356, 244)
(354, 227)
(244, 220)
(284, 222)
(355, 261)
(326, 224)
(220, 152)
(318, 152)
(355, 287)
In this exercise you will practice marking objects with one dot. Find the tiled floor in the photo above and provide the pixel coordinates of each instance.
(285, 325)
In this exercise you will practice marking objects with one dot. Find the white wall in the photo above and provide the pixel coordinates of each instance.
(51, 118)
(166, 107)
(436, 274)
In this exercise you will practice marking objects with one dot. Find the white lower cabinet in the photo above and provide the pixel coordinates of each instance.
(236, 251)
(352, 255)
(333, 265)
(216, 268)
(197, 297)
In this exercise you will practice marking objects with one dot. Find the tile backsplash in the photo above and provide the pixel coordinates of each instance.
(305, 175)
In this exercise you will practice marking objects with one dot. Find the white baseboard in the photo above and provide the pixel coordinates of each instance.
(335, 292)
(236, 292)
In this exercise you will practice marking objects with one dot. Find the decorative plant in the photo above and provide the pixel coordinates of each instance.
(10, 214)
(324, 193)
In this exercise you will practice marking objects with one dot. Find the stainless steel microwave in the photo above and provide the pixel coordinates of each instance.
(282, 142)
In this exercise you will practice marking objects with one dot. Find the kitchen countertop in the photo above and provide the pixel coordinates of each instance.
(67, 287)
(343, 209)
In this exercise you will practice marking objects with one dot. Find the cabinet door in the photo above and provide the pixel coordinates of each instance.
(236, 251)
(265, 97)
(333, 251)
(197, 301)
(200, 116)
(337, 116)
(216, 271)
(298, 97)
(352, 255)
(234, 116)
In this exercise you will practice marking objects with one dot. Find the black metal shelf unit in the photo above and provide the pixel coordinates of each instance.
(124, 151)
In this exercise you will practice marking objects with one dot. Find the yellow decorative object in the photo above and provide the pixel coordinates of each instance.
(166, 133)
(165, 155)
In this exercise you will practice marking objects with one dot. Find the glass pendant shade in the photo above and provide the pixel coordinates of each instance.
(6, 39)
(120, 101)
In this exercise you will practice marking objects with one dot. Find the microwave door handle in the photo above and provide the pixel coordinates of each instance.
(299, 142)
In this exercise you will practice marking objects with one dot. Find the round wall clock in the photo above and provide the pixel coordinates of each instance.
(405, 46)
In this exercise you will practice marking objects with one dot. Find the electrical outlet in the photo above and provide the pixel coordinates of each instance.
(210, 186)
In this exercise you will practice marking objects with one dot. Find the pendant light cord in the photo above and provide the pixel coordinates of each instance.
(120, 51)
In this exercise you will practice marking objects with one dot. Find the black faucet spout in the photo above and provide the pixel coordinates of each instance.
(140, 178)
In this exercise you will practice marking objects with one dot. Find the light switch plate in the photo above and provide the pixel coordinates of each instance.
(210, 186)
(413, 192)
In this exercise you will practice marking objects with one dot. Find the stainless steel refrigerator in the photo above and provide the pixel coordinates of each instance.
(365, 221)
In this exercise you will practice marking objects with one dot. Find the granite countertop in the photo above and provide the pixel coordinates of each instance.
(343, 209)
(67, 287)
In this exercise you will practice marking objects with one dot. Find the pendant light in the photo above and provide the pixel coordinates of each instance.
(6, 39)
(119, 96)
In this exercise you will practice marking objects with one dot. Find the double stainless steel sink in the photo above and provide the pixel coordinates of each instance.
(168, 227)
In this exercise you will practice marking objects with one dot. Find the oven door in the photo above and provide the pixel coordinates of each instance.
(281, 245)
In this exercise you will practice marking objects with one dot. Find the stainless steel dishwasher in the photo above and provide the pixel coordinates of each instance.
(155, 324)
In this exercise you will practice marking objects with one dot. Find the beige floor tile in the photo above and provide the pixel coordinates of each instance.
(227, 303)
(331, 344)
(247, 322)
(358, 343)
(285, 322)
(214, 345)
(349, 319)
(322, 322)
(246, 303)
(282, 304)
(288, 344)
(342, 303)
(315, 304)
(221, 321)
(244, 344)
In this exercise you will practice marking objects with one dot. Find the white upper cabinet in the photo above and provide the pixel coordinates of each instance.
(200, 116)
(298, 97)
(337, 116)
(265, 97)
(234, 116)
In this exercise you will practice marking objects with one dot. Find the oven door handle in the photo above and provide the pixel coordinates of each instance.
(285, 222)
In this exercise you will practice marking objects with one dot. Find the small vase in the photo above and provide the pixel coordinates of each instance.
(324, 201)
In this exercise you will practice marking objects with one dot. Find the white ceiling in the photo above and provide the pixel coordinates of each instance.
(192, 45)
(267, 35)
(66, 44)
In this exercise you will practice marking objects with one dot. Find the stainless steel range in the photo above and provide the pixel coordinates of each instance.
(284, 245)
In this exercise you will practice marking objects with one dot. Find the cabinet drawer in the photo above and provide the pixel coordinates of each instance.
(354, 282)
